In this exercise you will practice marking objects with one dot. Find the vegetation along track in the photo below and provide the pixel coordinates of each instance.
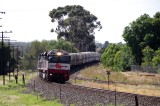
(85, 96)
(75, 77)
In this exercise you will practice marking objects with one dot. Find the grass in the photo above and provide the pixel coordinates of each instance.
(93, 72)
(139, 89)
(10, 94)
(133, 82)
(97, 72)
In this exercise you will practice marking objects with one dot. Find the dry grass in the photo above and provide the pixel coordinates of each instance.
(135, 82)
(142, 78)
(140, 89)
(93, 72)
(97, 72)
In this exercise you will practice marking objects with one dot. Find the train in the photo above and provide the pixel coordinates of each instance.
(55, 65)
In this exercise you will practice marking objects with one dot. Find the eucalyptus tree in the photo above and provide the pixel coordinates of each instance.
(77, 25)
(142, 32)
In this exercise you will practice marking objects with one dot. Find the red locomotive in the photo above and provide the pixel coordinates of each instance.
(56, 64)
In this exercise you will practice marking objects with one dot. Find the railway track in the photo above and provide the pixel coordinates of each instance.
(85, 96)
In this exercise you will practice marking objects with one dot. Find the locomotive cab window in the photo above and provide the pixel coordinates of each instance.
(59, 59)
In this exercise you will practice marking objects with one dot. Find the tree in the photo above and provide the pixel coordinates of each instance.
(98, 44)
(7, 59)
(30, 58)
(118, 57)
(65, 45)
(28, 62)
(148, 55)
(36, 48)
(77, 25)
(105, 45)
(123, 59)
(107, 57)
(142, 32)
(156, 58)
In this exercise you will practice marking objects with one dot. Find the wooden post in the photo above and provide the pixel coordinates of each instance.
(16, 78)
(13, 64)
(23, 79)
(136, 100)
(34, 87)
(108, 73)
(115, 98)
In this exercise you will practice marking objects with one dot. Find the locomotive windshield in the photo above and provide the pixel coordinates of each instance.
(59, 59)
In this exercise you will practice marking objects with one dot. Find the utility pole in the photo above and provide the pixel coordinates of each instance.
(3, 55)
(3, 67)
(1, 18)
(17, 61)
(22, 51)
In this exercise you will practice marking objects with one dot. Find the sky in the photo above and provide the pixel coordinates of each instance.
(29, 19)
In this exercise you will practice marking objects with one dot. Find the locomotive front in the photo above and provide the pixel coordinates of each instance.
(54, 65)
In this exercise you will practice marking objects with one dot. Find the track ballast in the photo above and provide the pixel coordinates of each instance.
(85, 96)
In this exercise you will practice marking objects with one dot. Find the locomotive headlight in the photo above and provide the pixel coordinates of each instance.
(59, 53)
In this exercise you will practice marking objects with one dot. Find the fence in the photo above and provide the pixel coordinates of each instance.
(149, 69)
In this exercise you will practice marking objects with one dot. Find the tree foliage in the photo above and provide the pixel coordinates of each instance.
(65, 45)
(148, 55)
(143, 32)
(156, 58)
(77, 25)
(104, 46)
(107, 57)
(123, 59)
(8, 60)
(30, 58)
(142, 38)
(118, 57)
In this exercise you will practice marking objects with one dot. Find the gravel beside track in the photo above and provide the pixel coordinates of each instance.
(85, 96)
